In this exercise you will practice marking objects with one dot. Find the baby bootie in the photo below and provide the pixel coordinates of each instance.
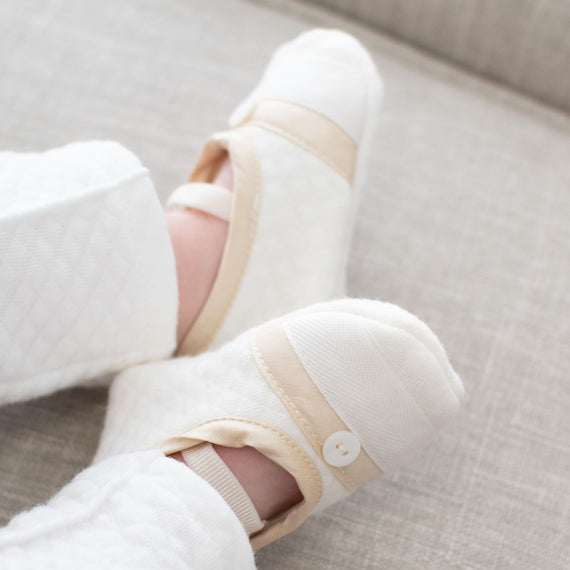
(297, 146)
(336, 394)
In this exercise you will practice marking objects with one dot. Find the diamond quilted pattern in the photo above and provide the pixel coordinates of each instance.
(87, 275)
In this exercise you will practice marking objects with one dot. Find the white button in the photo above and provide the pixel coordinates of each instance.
(341, 448)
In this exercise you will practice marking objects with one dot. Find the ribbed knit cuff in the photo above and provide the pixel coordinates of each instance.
(206, 463)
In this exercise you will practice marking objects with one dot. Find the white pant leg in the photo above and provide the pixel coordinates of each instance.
(141, 511)
(87, 272)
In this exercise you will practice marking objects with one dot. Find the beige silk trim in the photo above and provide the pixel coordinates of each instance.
(241, 232)
(281, 367)
(236, 432)
(311, 131)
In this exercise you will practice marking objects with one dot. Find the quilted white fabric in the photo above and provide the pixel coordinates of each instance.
(140, 511)
(87, 273)
(307, 210)
(399, 370)
(464, 221)
(297, 257)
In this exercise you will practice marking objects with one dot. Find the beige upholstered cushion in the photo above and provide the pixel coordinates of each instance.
(464, 222)
(522, 43)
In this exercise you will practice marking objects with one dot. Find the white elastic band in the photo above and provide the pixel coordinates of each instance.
(208, 198)
(206, 463)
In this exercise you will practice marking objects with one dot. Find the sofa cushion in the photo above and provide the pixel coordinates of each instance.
(522, 43)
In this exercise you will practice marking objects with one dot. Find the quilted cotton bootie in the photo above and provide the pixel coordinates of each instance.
(336, 394)
(297, 146)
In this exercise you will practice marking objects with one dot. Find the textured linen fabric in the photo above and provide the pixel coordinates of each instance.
(464, 221)
(81, 229)
(139, 511)
(522, 43)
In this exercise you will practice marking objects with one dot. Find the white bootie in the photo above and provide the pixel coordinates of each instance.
(336, 394)
(297, 146)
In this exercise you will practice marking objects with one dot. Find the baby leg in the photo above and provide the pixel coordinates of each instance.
(87, 275)
(141, 511)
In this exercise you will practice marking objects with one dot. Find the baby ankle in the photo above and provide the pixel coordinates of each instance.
(256, 488)
(271, 489)
(206, 463)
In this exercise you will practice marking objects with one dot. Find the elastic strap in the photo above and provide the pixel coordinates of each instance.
(208, 198)
(206, 463)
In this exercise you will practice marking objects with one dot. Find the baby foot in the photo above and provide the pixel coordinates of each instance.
(335, 394)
